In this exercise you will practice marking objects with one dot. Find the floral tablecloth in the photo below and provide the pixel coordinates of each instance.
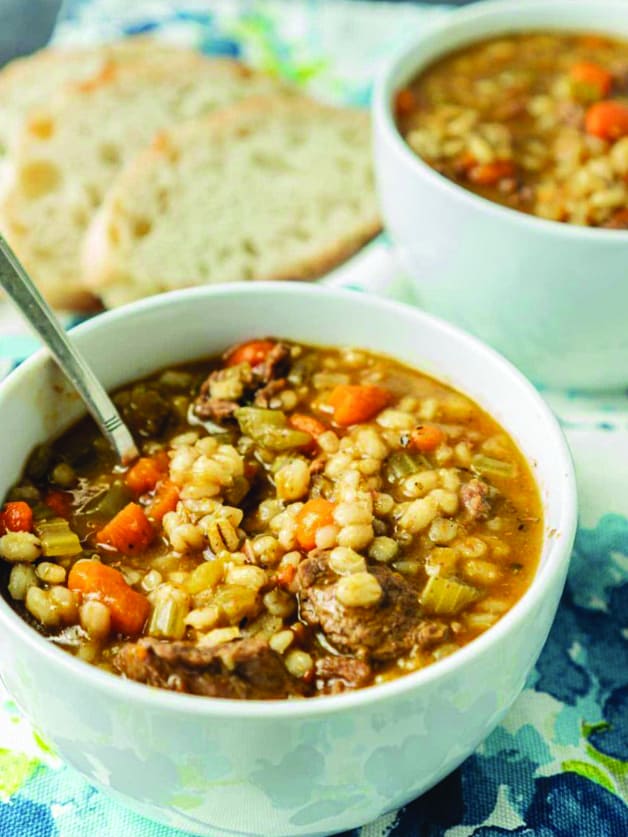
(558, 764)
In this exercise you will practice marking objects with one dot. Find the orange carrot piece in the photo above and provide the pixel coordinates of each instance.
(285, 576)
(129, 532)
(592, 76)
(485, 174)
(16, 517)
(315, 514)
(426, 437)
(129, 609)
(253, 352)
(308, 424)
(405, 102)
(354, 403)
(607, 120)
(144, 474)
(60, 502)
(165, 500)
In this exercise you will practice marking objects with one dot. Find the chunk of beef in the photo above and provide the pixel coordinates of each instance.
(340, 674)
(226, 389)
(275, 364)
(474, 496)
(240, 668)
(430, 633)
(221, 392)
(214, 409)
(265, 394)
(381, 632)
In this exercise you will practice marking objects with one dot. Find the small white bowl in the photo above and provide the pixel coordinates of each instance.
(221, 767)
(552, 297)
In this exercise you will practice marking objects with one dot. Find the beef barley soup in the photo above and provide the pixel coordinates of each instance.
(536, 121)
(302, 521)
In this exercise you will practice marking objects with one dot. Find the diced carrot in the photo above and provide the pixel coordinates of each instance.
(129, 532)
(60, 502)
(165, 500)
(405, 102)
(128, 608)
(607, 120)
(354, 403)
(593, 76)
(16, 517)
(254, 352)
(144, 474)
(485, 174)
(308, 424)
(426, 437)
(285, 575)
(315, 514)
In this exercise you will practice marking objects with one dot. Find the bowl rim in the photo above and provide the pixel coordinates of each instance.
(555, 565)
(387, 82)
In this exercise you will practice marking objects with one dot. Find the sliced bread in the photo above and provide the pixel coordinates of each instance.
(68, 151)
(32, 80)
(272, 188)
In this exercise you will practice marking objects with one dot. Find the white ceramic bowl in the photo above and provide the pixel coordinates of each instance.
(552, 297)
(220, 767)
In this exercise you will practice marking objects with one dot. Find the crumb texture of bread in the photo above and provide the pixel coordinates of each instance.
(68, 149)
(272, 188)
(34, 79)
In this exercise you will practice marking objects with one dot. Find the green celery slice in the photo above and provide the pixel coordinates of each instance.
(57, 539)
(446, 596)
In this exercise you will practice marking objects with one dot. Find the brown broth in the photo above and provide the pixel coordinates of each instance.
(508, 540)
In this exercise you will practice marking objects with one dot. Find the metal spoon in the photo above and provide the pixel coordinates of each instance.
(20, 287)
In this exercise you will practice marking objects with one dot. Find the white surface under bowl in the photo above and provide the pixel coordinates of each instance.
(552, 297)
(221, 767)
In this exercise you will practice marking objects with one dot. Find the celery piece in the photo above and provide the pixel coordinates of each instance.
(236, 601)
(57, 538)
(170, 608)
(283, 438)
(400, 465)
(446, 596)
(489, 467)
(109, 502)
(269, 428)
(253, 419)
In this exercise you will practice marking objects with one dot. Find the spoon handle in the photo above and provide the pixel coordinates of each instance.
(19, 286)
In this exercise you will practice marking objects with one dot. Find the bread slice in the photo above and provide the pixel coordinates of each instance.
(68, 151)
(272, 188)
(33, 80)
